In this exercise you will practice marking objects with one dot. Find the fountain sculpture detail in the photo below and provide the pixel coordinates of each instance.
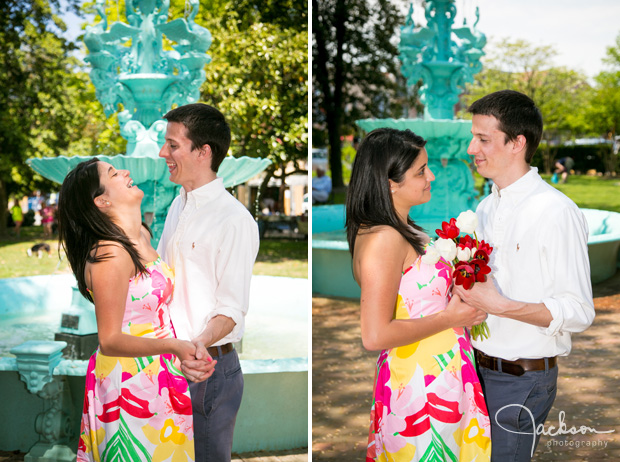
(444, 58)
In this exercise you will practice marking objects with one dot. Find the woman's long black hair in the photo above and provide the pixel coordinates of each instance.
(82, 226)
(385, 154)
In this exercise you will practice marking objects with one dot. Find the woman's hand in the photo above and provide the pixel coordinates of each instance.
(200, 366)
(184, 350)
(463, 315)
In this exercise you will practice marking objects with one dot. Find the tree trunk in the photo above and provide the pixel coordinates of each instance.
(335, 153)
(332, 91)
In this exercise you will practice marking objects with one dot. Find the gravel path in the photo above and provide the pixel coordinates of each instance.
(588, 389)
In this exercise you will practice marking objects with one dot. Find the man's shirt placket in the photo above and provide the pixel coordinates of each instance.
(182, 225)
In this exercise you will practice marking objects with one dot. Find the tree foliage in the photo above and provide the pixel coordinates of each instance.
(603, 114)
(44, 101)
(259, 79)
(355, 67)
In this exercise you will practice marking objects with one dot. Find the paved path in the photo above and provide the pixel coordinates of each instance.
(588, 388)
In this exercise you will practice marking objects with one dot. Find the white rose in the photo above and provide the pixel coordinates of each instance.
(431, 256)
(467, 222)
(446, 248)
(463, 254)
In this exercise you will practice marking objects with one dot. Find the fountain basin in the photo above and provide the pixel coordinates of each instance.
(331, 261)
(276, 377)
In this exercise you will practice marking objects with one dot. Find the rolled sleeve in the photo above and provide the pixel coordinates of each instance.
(571, 305)
(237, 252)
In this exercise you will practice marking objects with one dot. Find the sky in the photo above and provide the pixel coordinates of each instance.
(580, 31)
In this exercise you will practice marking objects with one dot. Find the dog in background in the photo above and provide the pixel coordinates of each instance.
(39, 249)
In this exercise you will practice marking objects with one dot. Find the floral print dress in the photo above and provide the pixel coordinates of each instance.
(139, 409)
(427, 401)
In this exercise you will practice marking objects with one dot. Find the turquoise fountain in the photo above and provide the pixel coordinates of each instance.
(145, 81)
(445, 58)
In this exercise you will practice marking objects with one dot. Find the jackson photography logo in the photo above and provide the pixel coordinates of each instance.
(561, 430)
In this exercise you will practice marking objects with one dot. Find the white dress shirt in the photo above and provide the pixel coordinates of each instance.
(211, 241)
(540, 255)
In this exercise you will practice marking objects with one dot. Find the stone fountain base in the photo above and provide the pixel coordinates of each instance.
(78, 346)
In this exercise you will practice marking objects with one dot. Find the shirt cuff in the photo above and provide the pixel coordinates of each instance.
(237, 316)
(557, 318)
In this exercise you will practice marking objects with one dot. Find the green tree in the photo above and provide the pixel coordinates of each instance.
(258, 78)
(41, 83)
(355, 67)
(560, 93)
(603, 114)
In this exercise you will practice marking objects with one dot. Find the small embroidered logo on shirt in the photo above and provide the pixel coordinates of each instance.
(517, 247)
(194, 245)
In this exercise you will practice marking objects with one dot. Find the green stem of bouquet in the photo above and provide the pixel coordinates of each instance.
(480, 330)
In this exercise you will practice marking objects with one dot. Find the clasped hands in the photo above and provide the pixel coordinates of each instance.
(196, 363)
(474, 304)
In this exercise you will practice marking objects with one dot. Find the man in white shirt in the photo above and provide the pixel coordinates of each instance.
(540, 291)
(211, 241)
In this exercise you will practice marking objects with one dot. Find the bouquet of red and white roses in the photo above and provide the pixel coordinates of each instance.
(468, 256)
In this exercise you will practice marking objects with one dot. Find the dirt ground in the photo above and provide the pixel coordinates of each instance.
(588, 388)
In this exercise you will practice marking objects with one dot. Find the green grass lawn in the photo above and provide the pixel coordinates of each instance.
(591, 192)
(588, 192)
(14, 261)
(276, 257)
(282, 257)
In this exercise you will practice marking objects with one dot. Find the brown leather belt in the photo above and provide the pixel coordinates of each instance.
(213, 351)
(518, 367)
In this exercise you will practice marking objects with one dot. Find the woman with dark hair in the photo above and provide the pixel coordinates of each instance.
(137, 405)
(427, 400)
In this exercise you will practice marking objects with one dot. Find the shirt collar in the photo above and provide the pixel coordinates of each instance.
(205, 193)
(518, 190)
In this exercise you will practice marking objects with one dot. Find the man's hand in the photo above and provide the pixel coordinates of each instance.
(463, 315)
(201, 367)
(482, 296)
(485, 296)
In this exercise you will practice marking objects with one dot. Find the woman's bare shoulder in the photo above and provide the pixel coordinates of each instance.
(380, 235)
(380, 242)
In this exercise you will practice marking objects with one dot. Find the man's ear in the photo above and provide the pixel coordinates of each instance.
(205, 154)
(205, 151)
(519, 143)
